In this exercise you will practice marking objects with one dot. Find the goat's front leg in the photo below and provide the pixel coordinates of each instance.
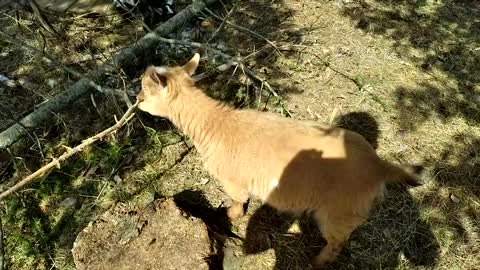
(239, 198)
(236, 211)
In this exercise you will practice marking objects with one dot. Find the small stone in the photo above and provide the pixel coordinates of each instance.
(68, 202)
(118, 180)
(52, 83)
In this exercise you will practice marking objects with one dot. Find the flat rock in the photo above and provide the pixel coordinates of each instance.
(155, 237)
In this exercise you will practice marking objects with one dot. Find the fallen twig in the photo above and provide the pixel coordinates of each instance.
(362, 87)
(290, 48)
(222, 25)
(43, 20)
(130, 56)
(56, 62)
(207, 74)
(70, 152)
(241, 28)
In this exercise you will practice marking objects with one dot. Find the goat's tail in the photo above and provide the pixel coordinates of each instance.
(406, 174)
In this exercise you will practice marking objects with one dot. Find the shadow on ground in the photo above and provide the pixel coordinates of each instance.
(447, 32)
(417, 105)
(439, 37)
(395, 228)
(266, 23)
(41, 222)
(458, 164)
(455, 194)
(195, 203)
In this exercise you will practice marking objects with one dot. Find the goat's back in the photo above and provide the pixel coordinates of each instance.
(295, 164)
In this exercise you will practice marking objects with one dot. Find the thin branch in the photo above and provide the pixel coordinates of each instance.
(220, 68)
(70, 152)
(290, 48)
(358, 84)
(129, 56)
(231, 60)
(43, 20)
(222, 25)
(241, 28)
(56, 62)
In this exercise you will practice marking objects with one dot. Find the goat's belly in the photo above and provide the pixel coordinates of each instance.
(263, 189)
(292, 199)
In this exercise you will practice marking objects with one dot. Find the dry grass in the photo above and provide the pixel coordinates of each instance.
(411, 69)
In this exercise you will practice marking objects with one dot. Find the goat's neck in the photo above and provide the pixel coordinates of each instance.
(201, 118)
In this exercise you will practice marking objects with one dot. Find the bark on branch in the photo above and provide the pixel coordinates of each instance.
(70, 152)
(128, 57)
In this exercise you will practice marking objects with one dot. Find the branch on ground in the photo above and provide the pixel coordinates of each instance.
(241, 28)
(129, 57)
(43, 20)
(55, 163)
(57, 63)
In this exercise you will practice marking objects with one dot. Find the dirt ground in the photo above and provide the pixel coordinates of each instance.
(405, 74)
(151, 235)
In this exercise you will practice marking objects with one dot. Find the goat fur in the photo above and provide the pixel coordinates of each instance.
(289, 164)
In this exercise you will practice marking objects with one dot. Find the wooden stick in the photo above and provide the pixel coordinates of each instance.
(222, 25)
(220, 68)
(70, 152)
(235, 61)
(241, 28)
(130, 56)
(43, 20)
(57, 63)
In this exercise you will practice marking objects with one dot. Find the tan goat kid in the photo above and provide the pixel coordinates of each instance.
(291, 165)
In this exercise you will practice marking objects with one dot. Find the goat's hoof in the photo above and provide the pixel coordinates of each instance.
(235, 213)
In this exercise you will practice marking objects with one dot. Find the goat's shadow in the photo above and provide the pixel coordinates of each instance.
(194, 203)
(394, 228)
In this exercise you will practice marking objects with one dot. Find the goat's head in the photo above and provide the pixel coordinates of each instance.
(161, 85)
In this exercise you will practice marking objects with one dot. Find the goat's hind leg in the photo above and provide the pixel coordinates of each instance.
(336, 230)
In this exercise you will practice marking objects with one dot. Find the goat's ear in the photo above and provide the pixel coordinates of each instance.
(192, 65)
(156, 74)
